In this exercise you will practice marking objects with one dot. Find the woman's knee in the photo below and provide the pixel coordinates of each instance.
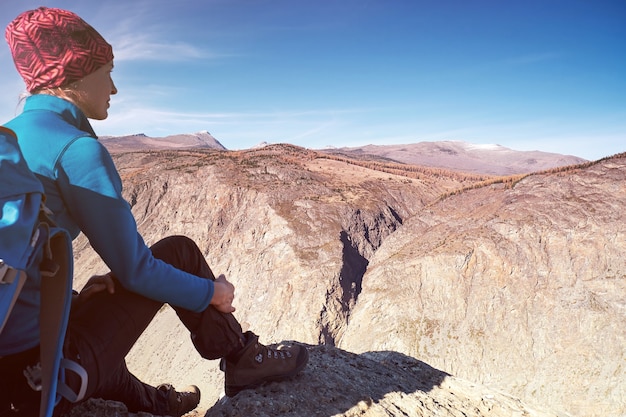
(182, 253)
(174, 244)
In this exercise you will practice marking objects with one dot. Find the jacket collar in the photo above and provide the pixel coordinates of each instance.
(66, 109)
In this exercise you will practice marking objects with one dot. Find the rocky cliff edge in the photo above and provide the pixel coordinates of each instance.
(339, 383)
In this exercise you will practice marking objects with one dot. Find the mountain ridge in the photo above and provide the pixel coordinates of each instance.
(140, 141)
(464, 156)
(455, 155)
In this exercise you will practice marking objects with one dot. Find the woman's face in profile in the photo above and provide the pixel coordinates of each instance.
(94, 91)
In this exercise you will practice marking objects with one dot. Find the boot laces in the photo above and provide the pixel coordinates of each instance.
(273, 354)
(180, 396)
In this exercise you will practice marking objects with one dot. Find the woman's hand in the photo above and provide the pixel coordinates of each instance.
(223, 295)
(96, 284)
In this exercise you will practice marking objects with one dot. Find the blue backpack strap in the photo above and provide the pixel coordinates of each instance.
(56, 295)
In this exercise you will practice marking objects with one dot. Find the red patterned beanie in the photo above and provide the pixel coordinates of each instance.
(54, 47)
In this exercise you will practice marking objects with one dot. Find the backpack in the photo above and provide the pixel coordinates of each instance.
(25, 233)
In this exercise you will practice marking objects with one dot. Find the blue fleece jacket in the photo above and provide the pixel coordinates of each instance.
(84, 191)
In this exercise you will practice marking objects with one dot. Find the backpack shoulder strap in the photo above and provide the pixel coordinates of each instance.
(56, 296)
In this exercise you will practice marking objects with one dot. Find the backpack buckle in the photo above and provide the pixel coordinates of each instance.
(7, 274)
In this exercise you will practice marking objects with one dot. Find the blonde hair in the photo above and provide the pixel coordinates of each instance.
(67, 92)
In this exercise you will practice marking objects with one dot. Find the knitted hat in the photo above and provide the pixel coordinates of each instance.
(54, 47)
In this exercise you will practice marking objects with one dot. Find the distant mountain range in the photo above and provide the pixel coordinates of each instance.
(140, 141)
(454, 155)
(463, 156)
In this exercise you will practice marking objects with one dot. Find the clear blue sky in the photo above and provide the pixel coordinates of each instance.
(526, 74)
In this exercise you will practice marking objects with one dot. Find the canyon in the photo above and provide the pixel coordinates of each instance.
(515, 284)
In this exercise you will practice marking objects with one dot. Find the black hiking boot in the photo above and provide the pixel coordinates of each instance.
(181, 402)
(258, 363)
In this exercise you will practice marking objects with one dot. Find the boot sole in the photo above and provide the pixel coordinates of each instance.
(232, 390)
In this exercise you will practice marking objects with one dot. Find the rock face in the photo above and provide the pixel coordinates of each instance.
(375, 384)
(516, 286)
(522, 289)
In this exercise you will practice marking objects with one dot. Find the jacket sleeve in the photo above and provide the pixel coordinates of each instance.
(92, 190)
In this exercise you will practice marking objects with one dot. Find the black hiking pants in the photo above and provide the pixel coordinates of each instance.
(102, 331)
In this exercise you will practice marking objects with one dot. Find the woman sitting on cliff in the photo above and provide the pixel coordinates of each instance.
(67, 66)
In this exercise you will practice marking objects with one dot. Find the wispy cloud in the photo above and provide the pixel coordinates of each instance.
(127, 112)
(131, 47)
(143, 34)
